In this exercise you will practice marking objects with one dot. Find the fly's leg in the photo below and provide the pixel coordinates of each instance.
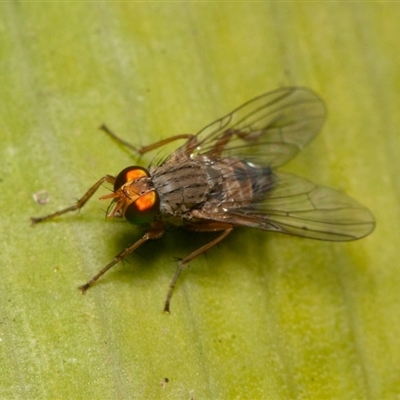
(220, 144)
(155, 233)
(110, 133)
(202, 227)
(79, 204)
(144, 149)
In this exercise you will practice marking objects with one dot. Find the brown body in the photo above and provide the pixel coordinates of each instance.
(195, 189)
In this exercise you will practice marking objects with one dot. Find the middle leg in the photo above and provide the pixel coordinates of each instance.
(205, 228)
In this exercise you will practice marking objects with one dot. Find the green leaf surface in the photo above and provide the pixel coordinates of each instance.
(262, 315)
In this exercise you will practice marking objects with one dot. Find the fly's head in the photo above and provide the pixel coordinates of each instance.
(134, 196)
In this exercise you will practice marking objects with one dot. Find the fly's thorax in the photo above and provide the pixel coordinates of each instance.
(181, 185)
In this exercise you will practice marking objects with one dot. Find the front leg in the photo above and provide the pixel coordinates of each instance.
(79, 204)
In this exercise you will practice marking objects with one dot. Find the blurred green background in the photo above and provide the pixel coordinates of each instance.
(261, 316)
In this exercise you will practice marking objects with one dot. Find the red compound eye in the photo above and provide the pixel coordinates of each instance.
(144, 209)
(129, 174)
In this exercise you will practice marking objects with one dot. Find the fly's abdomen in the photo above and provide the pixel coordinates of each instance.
(262, 179)
(241, 183)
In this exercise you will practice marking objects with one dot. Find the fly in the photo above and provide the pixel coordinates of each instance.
(225, 176)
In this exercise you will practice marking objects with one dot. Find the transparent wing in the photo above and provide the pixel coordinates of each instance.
(296, 206)
(270, 128)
